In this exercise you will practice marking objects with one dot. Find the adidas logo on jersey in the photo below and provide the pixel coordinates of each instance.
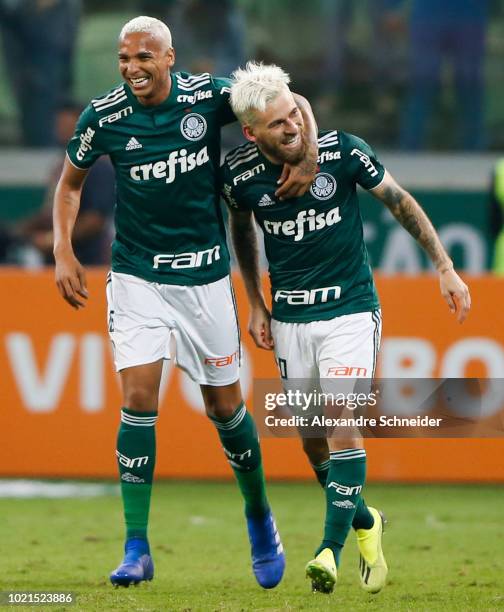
(133, 144)
(265, 201)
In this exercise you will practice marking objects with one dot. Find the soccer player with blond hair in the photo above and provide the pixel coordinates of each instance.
(325, 320)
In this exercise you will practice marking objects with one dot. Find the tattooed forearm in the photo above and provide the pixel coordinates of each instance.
(309, 164)
(401, 205)
(390, 194)
(411, 216)
(308, 118)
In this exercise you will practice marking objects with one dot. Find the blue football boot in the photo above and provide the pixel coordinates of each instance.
(268, 559)
(137, 564)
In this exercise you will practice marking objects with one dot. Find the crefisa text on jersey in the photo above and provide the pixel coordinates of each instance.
(196, 97)
(86, 139)
(326, 156)
(168, 169)
(307, 221)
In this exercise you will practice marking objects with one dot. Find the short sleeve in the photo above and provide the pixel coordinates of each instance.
(369, 171)
(222, 93)
(228, 191)
(83, 149)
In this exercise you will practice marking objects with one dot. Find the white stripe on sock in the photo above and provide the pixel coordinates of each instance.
(138, 421)
(347, 454)
(234, 422)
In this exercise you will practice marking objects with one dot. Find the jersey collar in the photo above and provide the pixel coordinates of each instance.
(269, 164)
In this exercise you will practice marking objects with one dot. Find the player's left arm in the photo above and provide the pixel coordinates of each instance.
(296, 180)
(412, 217)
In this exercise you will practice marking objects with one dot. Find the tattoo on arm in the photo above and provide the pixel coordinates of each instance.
(401, 205)
(412, 217)
(309, 164)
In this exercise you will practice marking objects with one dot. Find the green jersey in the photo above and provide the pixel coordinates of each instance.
(169, 226)
(318, 262)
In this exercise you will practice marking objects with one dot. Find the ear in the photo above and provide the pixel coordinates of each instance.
(248, 132)
(171, 56)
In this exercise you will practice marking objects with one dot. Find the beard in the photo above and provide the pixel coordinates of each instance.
(276, 151)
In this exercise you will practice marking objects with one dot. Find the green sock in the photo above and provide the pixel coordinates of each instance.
(239, 439)
(363, 519)
(347, 474)
(321, 471)
(136, 457)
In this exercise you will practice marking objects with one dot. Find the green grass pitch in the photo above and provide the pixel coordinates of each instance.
(444, 546)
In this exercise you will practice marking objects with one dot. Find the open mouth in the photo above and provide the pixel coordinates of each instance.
(139, 82)
(293, 142)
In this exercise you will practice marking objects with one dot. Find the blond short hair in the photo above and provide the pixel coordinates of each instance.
(149, 25)
(254, 87)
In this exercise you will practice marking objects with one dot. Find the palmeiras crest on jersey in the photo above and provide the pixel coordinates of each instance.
(323, 187)
(193, 126)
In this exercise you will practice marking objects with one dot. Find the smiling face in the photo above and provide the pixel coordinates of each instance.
(279, 130)
(145, 61)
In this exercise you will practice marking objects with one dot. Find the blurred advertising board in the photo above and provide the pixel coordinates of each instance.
(60, 396)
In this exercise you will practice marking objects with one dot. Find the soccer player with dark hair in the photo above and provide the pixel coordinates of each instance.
(325, 312)
(169, 292)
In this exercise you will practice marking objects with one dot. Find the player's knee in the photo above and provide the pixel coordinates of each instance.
(141, 398)
(316, 449)
(339, 444)
(220, 409)
(222, 402)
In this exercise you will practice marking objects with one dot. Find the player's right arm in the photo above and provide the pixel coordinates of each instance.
(70, 275)
(83, 150)
(244, 238)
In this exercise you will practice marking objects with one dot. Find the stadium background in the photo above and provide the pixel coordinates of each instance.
(56, 369)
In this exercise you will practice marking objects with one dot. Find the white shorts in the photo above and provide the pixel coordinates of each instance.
(327, 355)
(196, 326)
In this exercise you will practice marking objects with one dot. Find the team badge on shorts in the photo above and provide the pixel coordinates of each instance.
(193, 126)
(323, 187)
